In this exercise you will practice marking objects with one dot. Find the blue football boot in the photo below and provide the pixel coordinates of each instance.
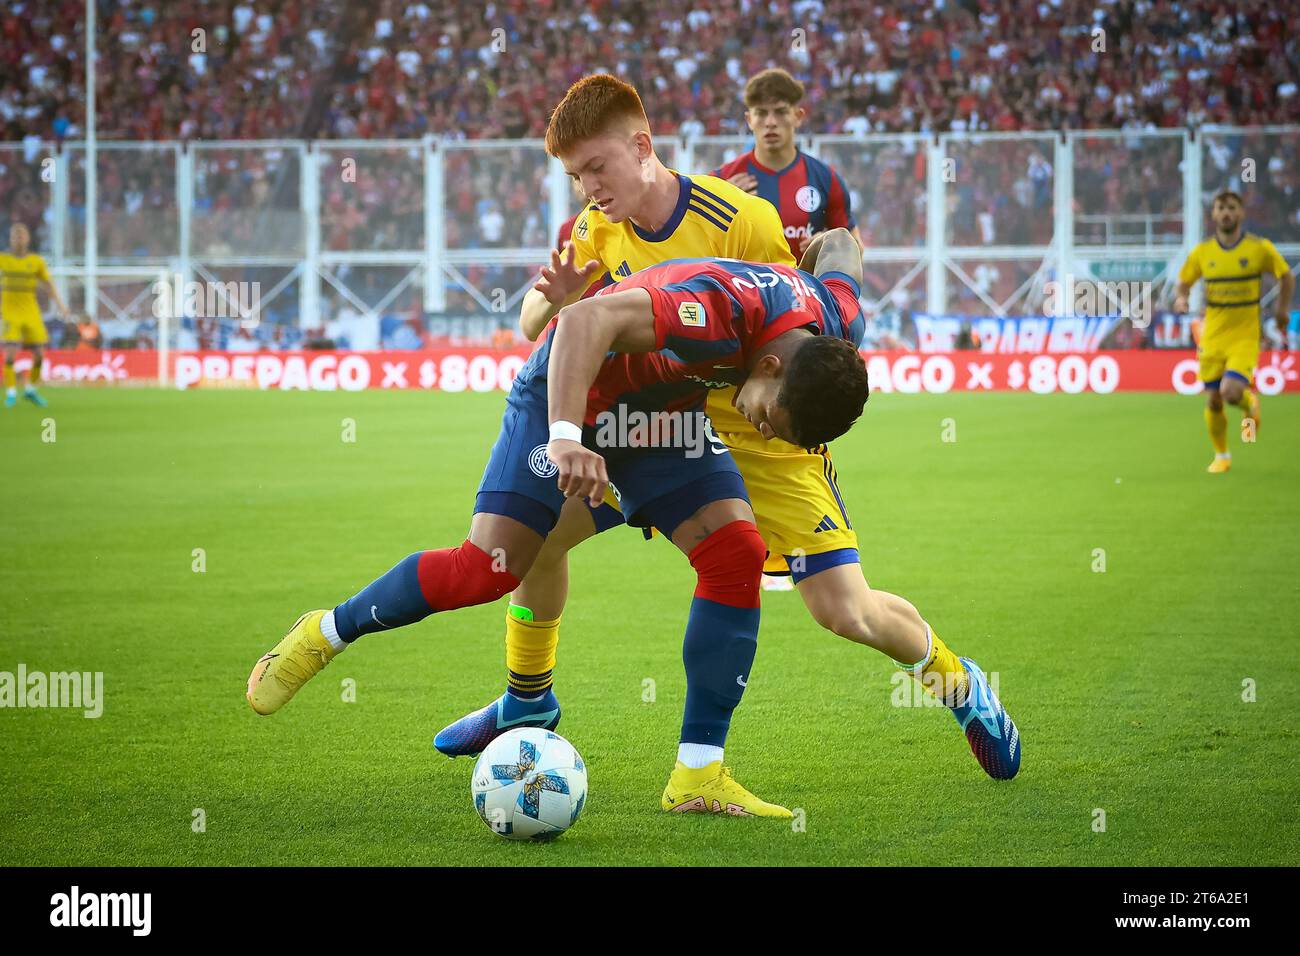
(992, 735)
(36, 398)
(468, 736)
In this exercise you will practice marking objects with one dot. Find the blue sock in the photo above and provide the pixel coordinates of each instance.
(718, 652)
(393, 599)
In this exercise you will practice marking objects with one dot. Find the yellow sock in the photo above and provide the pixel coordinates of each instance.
(11, 380)
(1217, 423)
(940, 672)
(1246, 399)
(530, 651)
(34, 375)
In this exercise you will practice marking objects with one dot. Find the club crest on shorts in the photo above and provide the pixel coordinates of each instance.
(692, 314)
(808, 198)
(540, 464)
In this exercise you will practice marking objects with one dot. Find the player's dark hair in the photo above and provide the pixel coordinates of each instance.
(592, 105)
(773, 86)
(1229, 194)
(824, 389)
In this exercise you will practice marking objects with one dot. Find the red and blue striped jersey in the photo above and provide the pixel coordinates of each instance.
(809, 195)
(711, 316)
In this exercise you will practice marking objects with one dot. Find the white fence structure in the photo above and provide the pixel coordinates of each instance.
(973, 223)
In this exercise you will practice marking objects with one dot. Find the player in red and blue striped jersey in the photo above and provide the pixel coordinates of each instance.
(809, 195)
(658, 341)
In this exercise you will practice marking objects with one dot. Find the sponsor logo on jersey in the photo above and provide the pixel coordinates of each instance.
(691, 314)
(808, 198)
(798, 232)
(623, 270)
(541, 465)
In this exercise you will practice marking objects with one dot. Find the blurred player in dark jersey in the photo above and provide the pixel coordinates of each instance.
(809, 195)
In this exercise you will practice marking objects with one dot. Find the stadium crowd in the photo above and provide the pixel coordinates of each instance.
(401, 68)
(329, 70)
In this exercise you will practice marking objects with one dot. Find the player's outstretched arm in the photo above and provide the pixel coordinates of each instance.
(587, 332)
(560, 283)
(58, 299)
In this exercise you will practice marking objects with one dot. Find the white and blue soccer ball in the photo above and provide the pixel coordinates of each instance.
(529, 784)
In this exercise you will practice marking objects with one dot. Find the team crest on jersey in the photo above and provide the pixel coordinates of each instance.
(1243, 261)
(540, 464)
(808, 198)
(692, 314)
(580, 228)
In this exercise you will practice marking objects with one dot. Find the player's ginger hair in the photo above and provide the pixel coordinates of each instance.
(592, 106)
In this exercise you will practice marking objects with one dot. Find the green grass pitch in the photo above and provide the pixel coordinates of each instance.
(1127, 684)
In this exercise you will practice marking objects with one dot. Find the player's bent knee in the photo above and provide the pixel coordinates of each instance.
(729, 564)
(464, 576)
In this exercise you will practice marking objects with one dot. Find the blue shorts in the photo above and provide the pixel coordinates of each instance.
(656, 487)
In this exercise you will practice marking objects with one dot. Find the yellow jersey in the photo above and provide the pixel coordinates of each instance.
(712, 220)
(1232, 284)
(19, 276)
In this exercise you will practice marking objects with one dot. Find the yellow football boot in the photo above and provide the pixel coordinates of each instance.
(1219, 466)
(279, 673)
(712, 789)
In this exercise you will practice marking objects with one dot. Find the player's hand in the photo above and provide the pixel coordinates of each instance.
(745, 181)
(581, 471)
(804, 242)
(563, 277)
(1180, 304)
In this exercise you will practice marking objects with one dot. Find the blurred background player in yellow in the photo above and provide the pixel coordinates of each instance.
(22, 272)
(1231, 264)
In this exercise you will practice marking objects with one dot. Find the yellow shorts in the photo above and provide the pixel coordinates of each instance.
(799, 509)
(1237, 354)
(28, 331)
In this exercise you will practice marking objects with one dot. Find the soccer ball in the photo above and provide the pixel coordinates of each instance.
(529, 784)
